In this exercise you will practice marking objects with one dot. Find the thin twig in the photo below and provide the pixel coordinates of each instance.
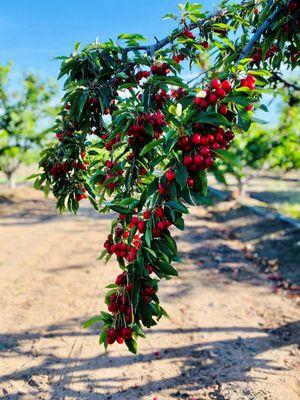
(286, 83)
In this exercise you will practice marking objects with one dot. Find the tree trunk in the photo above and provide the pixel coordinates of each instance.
(10, 177)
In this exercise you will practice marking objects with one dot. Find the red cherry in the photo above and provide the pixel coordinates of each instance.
(222, 109)
(120, 279)
(110, 340)
(190, 182)
(209, 161)
(212, 98)
(249, 107)
(111, 332)
(215, 146)
(215, 83)
(210, 138)
(170, 175)
(161, 188)
(120, 340)
(141, 226)
(226, 85)
(147, 214)
(198, 159)
(205, 151)
(204, 141)
(196, 138)
(161, 225)
(292, 6)
(198, 101)
(183, 141)
(220, 93)
(187, 161)
(205, 44)
(127, 333)
(251, 78)
(159, 212)
(219, 138)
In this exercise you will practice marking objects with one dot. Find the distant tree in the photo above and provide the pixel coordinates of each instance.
(24, 112)
(264, 147)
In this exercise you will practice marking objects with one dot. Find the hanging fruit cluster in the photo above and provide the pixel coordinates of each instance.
(137, 140)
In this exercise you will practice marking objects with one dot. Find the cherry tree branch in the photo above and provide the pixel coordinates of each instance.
(260, 31)
(153, 48)
(286, 83)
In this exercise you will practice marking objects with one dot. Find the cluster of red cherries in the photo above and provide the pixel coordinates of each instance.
(258, 53)
(137, 132)
(121, 248)
(113, 170)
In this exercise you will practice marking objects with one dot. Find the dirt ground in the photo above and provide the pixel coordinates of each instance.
(232, 335)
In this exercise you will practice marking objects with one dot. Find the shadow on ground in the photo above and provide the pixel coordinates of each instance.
(213, 360)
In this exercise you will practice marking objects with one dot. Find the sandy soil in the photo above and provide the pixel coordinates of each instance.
(230, 336)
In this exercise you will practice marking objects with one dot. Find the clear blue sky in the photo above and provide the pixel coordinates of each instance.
(33, 32)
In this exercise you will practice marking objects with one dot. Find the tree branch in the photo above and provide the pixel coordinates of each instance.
(151, 49)
(260, 31)
(286, 83)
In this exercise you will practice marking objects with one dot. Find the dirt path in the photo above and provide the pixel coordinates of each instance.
(229, 337)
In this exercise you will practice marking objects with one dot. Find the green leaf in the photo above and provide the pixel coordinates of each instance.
(170, 16)
(229, 157)
(203, 178)
(150, 146)
(212, 118)
(181, 174)
(92, 321)
(131, 345)
(177, 206)
(244, 119)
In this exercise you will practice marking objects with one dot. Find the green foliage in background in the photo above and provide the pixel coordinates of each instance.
(24, 114)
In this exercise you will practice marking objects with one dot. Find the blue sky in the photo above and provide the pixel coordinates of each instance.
(33, 32)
